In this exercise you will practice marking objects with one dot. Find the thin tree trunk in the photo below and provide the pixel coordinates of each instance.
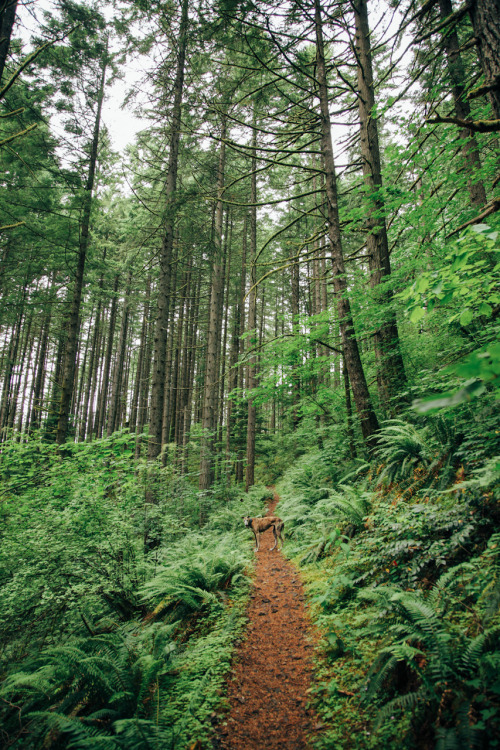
(462, 107)
(241, 342)
(117, 384)
(209, 420)
(103, 396)
(140, 358)
(350, 430)
(390, 368)
(142, 411)
(294, 300)
(73, 321)
(7, 18)
(37, 401)
(366, 414)
(252, 317)
(164, 284)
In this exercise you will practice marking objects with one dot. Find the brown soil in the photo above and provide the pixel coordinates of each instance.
(271, 674)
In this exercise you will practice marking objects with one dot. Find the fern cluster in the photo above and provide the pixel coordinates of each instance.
(401, 558)
(98, 634)
(452, 676)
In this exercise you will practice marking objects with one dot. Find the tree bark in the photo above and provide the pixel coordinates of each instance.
(241, 344)
(73, 320)
(456, 72)
(390, 367)
(164, 284)
(103, 396)
(485, 15)
(140, 359)
(7, 18)
(209, 417)
(366, 413)
(252, 319)
(117, 384)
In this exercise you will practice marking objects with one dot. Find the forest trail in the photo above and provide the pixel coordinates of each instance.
(271, 674)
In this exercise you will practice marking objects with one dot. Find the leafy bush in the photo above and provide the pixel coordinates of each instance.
(402, 448)
(452, 678)
(197, 580)
(95, 692)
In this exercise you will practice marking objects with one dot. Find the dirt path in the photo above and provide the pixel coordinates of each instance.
(272, 669)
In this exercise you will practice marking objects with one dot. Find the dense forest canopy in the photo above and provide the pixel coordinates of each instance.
(291, 274)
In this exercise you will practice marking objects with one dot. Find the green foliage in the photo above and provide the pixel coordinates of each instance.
(467, 282)
(105, 643)
(455, 674)
(96, 690)
(401, 559)
(402, 448)
(199, 580)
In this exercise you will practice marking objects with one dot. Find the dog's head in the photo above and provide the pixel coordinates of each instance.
(247, 520)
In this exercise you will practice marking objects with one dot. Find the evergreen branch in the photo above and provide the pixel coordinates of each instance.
(12, 226)
(491, 208)
(484, 89)
(453, 18)
(478, 126)
(31, 58)
(18, 135)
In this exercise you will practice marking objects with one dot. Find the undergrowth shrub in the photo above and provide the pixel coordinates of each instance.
(197, 580)
(401, 560)
(452, 676)
(99, 631)
(96, 692)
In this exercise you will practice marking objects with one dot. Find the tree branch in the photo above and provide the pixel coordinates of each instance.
(477, 126)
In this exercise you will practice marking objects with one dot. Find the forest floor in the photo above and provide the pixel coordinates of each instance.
(272, 669)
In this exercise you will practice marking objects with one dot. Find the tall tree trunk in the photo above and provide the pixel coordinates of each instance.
(26, 347)
(92, 369)
(164, 284)
(190, 371)
(117, 385)
(390, 368)
(103, 396)
(348, 406)
(294, 299)
(366, 414)
(485, 15)
(252, 317)
(73, 320)
(224, 362)
(7, 18)
(10, 363)
(241, 344)
(140, 359)
(209, 417)
(167, 399)
(462, 108)
(142, 411)
(37, 400)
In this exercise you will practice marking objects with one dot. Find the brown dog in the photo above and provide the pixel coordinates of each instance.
(258, 525)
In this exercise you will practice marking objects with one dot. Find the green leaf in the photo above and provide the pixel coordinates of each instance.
(485, 309)
(466, 317)
(470, 390)
(417, 314)
(422, 284)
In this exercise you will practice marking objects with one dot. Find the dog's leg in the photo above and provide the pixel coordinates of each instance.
(275, 539)
(256, 535)
(279, 530)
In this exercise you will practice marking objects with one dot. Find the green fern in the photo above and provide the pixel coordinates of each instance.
(84, 692)
(443, 663)
(402, 448)
(196, 582)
